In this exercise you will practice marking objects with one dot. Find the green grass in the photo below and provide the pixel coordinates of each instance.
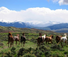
(30, 43)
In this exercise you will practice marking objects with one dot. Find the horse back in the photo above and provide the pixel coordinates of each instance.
(23, 38)
(39, 39)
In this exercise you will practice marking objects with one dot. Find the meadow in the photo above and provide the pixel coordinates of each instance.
(31, 49)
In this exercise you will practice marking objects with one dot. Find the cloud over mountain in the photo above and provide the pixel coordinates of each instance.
(35, 15)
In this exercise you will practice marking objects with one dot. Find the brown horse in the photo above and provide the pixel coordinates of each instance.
(58, 38)
(39, 41)
(23, 39)
(16, 38)
(10, 39)
(49, 39)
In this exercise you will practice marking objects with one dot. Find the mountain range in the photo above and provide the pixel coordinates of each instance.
(62, 27)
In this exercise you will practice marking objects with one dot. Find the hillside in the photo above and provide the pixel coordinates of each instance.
(26, 30)
(62, 27)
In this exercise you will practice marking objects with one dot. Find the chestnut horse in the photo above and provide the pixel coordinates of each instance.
(16, 38)
(10, 39)
(49, 39)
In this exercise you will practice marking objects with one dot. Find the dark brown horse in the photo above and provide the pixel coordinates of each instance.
(49, 39)
(58, 38)
(40, 39)
(16, 38)
(23, 39)
(10, 39)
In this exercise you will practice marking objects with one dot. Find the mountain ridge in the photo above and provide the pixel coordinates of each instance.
(62, 27)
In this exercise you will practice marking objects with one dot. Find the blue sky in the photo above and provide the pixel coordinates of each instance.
(35, 11)
(25, 4)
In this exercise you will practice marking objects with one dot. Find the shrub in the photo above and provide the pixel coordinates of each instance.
(13, 50)
(20, 52)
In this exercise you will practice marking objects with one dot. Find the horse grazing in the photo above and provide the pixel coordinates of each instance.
(63, 39)
(16, 38)
(49, 39)
(10, 39)
(23, 39)
(40, 39)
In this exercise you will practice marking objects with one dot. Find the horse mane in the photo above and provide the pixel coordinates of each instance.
(9, 33)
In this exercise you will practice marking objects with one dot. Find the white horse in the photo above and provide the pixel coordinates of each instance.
(43, 37)
(63, 39)
(16, 38)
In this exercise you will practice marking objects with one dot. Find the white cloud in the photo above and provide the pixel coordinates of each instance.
(35, 15)
(61, 2)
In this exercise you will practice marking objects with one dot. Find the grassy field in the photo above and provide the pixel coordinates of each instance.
(31, 49)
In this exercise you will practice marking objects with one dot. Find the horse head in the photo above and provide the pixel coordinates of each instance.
(9, 33)
(51, 36)
(65, 34)
(18, 35)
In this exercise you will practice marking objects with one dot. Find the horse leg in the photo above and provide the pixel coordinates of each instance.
(23, 43)
(61, 44)
(19, 41)
(46, 42)
(66, 42)
(11, 44)
(38, 44)
(58, 42)
(51, 42)
(16, 42)
(8, 44)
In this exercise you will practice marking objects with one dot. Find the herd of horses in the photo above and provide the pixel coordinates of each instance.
(40, 39)
(11, 39)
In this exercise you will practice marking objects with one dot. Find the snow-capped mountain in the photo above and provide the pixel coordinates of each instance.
(41, 24)
(28, 24)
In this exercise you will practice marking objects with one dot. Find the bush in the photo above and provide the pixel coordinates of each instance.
(13, 50)
(20, 52)
(8, 54)
(47, 53)
(56, 47)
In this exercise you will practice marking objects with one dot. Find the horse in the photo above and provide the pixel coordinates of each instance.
(58, 38)
(40, 39)
(16, 38)
(43, 37)
(49, 39)
(23, 39)
(63, 39)
(10, 39)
